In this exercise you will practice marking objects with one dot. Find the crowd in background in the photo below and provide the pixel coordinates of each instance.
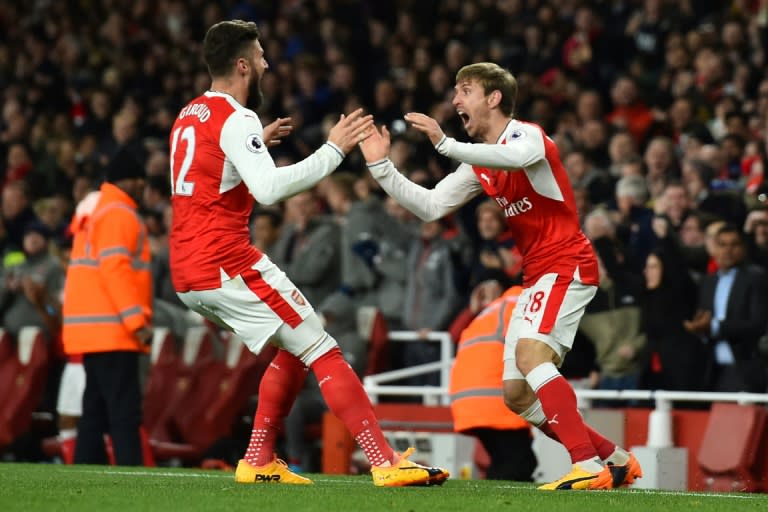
(659, 109)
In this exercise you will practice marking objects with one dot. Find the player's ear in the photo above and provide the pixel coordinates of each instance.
(494, 98)
(241, 65)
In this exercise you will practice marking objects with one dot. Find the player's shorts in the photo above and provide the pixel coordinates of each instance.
(71, 389)
(548, 311)
(255, 304)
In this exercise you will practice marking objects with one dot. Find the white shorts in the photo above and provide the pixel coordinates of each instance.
(550, 312)
(255, 304)
(71, 389)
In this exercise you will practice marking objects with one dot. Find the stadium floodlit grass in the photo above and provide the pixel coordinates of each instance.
(47, 487)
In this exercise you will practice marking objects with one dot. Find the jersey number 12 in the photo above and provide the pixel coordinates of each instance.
(180, 186)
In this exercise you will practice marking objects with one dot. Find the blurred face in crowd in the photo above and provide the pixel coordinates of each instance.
(489, 223)
(675, 201)
(691, 234)
(621, 147)
(34, 243)
(431, 230)
(264, 232)
(300, 208)
(14, 201)
(729, 250)
(652, 271)
(657, 157)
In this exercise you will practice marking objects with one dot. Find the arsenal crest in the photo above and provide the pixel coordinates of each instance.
(297, 298)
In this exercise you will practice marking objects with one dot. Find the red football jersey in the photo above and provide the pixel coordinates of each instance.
(219, 165)
(540, 209)
(211, 203)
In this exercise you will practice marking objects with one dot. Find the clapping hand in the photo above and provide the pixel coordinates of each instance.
(700, 323)
(376, 146)
(351, 130)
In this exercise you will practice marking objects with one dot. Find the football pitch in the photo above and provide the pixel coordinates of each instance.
(44, 487)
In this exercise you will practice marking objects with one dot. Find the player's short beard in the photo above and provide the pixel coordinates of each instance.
(255, 96)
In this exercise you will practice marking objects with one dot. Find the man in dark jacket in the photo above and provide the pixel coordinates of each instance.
(732, 306)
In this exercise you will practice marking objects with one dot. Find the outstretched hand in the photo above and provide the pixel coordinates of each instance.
(376, 146)
(426, 125)
(351, 130)
(276, 130)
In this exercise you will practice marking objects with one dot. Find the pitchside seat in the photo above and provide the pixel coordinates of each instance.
(164, 359)
(7, 355)
(372, 326)
(198, 355)
(729, 456)
(23, 373)
(221, 394)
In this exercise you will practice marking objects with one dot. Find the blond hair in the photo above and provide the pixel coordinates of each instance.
(492, 77)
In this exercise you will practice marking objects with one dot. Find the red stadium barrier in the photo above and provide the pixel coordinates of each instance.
(22, 382)
(730, 456)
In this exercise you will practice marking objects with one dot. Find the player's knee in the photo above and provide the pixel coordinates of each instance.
(531, 353)
(515, 396)
(324, 344)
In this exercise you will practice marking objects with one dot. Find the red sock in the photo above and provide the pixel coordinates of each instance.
(68, 450)
(558, 402)
(346, 399)
(604, 447)
(279, 386)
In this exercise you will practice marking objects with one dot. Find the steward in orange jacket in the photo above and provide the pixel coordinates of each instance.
(108, 288)
(477, 402)
(107, 315)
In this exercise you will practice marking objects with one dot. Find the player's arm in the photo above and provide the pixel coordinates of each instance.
(243, 143)
(523, 147)
(448, 195)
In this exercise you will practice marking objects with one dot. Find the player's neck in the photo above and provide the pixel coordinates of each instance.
(497, 127)
(227, 86)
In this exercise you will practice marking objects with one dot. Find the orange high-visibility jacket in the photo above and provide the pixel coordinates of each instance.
(476, 377)
(108, 288)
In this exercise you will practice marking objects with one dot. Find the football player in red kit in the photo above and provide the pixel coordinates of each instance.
(519, 166)
(219, 164)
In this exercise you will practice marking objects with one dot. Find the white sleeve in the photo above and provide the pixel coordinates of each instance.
(448, 195)
(524, 147)
(242, 140)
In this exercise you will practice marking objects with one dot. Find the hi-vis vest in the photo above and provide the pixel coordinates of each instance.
(108, 288)
(476, 377)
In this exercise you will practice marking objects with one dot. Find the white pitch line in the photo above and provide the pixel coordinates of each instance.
(656, 492)
(662, 492)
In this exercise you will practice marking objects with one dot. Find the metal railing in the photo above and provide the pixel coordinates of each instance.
(378, 385)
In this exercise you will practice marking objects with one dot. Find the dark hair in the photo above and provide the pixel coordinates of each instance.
(274, 216)
(731, 228)
(492, 77)
(225, 42)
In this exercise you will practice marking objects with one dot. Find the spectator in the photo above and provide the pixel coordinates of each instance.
(265, 227)
(676, 357)
(612, 320)
(633, 219)
(27, 285)
(308, 248)
(756, 229)
(731, 315)
(17, 213)
(431, 298)
(495, 250)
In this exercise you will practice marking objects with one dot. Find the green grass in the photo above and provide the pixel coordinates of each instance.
(45, 487)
